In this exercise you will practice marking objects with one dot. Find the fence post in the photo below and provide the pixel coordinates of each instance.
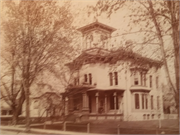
(118, 130)
(88, 128)
(157, 130)
(44, 125)
(64, 126)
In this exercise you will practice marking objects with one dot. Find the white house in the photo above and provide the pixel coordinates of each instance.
(113, 83)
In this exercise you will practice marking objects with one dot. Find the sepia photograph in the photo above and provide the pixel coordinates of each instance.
(82, 67)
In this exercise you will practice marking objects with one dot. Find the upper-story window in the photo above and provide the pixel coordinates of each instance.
(157, 82)
(90, 78)
(36, 104)
(158, 106)
(136, 79)
(116, 78)
(111, 79)
(150, 81)
(76, 81)
(85, 78)
(143, 78)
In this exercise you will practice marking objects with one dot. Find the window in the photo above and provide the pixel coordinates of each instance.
(150, 81)
(146, 101)
(143, 101)
(90, 79)
(36, 104)
(115, 75)
(3, 112)
(157, 79)
(10, 112)
(111, 79)
(85, 78)
(142, 83)
(76, 81)
(116, 78)
(158, 102)
(136, 101)
(152, 107)
(112, 102)
(144, 79)
(136, 78)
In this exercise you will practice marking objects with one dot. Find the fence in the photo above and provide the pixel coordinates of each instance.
(90, 128)
(170, 116)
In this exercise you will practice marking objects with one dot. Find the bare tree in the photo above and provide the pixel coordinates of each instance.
(38, 34)
(157, 21)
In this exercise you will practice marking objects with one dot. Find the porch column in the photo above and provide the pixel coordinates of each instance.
(84, 100)
(105, 109)
(97, 101)
(70, 102)
(87, 101)
(115, 104)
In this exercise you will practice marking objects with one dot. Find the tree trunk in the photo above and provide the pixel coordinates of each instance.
(159, 35)
(175, 36)
(15, 117)
(18, 109)
(27, 110)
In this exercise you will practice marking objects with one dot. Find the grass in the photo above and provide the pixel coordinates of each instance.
(126, 127)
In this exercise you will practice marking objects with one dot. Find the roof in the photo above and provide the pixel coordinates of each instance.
(96, 25)
(111, 57)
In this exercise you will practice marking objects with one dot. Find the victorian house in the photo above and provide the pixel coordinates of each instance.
(112, 83)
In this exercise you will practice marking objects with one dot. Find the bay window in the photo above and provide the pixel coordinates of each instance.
(141, 100)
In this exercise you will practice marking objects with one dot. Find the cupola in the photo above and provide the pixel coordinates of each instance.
(96, 34)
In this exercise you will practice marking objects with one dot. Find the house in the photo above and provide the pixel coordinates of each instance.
(49, 104)
(113, 83)
(6, 110)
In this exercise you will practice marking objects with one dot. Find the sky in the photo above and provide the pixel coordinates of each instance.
(118, 20)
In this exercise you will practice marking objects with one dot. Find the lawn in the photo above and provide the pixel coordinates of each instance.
(126, 127)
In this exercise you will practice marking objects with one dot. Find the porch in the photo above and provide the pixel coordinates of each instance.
(97, 104)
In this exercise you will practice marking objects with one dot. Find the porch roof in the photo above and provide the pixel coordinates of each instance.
(140, 89)
(105, 89)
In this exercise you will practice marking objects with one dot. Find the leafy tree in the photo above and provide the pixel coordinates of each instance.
(37, 36)
(157, 21)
